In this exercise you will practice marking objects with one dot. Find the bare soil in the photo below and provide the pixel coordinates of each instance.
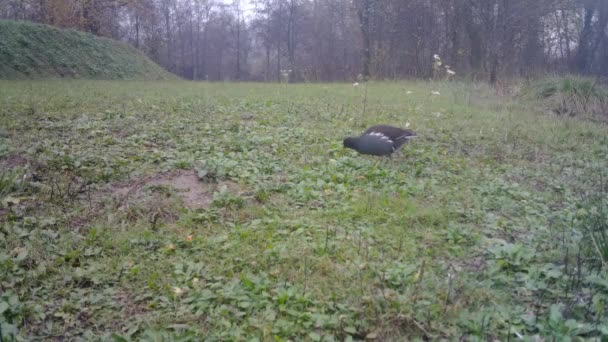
(13, 161)
(194, 193)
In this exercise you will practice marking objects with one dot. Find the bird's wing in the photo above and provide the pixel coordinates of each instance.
(381, 136)
(393, 133)
(384, 129)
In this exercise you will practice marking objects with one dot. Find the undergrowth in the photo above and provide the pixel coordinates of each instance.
(571, 95)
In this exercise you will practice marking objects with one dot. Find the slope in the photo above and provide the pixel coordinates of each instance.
(34, 51)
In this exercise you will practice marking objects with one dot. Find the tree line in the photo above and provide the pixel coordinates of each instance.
(336, 40)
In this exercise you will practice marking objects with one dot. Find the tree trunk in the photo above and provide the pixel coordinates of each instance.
(137, 30)
(364, 10)
(193, 53)
(566, 34)
(238, 48)
(267, 73)
(582, 56)
(169, 39)
(291, 42)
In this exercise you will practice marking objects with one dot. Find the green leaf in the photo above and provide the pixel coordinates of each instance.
(555, 314)
(314, 336)
(3, 307)
(350, 330)
(118, 338)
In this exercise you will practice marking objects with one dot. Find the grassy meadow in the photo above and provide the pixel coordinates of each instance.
(167, 211)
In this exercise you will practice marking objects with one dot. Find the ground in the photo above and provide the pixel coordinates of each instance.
(178, 210)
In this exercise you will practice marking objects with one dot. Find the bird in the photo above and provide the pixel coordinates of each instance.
(380, 140)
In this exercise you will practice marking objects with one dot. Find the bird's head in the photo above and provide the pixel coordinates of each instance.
(350, 142)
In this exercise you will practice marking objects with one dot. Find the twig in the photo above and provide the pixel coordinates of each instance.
(364, 103)
(305, 275)
(447, 297)
(359, 249)
(326, 237)
(89, 197)
(383, 281)
(125, 196)
(419, 279)
(599, 251)
(419, 326)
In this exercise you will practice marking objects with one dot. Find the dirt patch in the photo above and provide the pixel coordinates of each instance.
(476, 264)
(194, 193)
(130, 305)
(120, 134)
(13, 161)
(158, 198)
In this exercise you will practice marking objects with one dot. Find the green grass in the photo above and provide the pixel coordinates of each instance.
(570, 95)
(34, 51)
(483, 228)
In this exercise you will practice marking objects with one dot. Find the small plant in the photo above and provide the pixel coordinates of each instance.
(286, 75)
(9, 182)
(223, 198)
(593, 220)
(441, 71)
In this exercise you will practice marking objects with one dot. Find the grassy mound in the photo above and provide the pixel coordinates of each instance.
(572, 95)
(30, 50)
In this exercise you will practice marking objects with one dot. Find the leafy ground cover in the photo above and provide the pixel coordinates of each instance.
(35, 51)
(189, 211)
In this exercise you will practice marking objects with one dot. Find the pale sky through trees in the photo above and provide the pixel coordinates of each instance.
(336, 40)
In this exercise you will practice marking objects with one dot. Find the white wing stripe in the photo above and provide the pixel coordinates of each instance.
(381, 136)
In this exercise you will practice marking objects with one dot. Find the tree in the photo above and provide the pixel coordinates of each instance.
(329, 40)
(365, 11)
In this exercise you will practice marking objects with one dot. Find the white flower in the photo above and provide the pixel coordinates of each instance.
(409, 92)
(178, 291)
(407, 124)
(356, 84)
(437, 114)
(436, 57)
(435, 92)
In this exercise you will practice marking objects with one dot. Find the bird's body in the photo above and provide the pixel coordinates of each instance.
(380, 140)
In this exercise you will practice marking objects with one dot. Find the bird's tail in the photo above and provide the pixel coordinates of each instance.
(408, 136)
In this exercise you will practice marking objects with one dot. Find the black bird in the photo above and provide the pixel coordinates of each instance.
(381, 140)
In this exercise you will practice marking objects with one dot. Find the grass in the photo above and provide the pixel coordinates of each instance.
(479, 229)
(34, 51)
(571, 96)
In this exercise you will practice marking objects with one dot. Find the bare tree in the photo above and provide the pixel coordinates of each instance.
(337, 39)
